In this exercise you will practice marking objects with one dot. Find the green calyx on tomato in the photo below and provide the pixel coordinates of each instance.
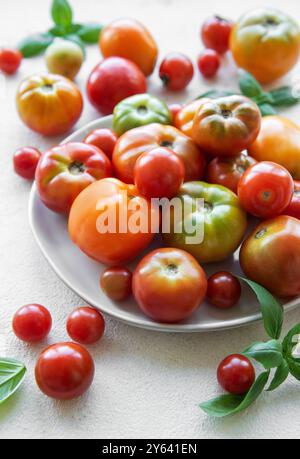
(222, 220)
(140, 110)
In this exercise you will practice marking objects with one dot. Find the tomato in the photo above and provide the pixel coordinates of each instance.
(169, 285)
(185, 117)
(130, 39)
(116, 282)
(25, 162)
(265, 189)
(293, 209)
(211, 232)
(49, 104)
(159, 173)
(266, 42)
(64, 171)
(228, 171)
(105, 139)
(278, 141)
(209, 63)
(144, 139)
(223, 290)
(111, 222)
(32, 323)
(226, 126)
(236, 374)
(10, 60)
(271, 256)
(64, 371)
(176, 71)
(113, 80)
(174, 110)
(85, 325)
(215, 33)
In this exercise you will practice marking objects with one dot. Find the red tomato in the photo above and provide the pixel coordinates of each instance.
(64, 371)
(116, 282)
(223, 290)
(176, 71)
(66, 170)
(85, 325)
(266, 189)
(25, 162)
(293, 209)
(10, 60)
(32, 323)
(236, 374)
(174, 110)
(159, 173)
(105, 139)
(209, 63)
(113, 80)
(215, 33)
(169, 285)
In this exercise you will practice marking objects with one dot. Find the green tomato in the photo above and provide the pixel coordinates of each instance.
(210, 230)
(139, 110)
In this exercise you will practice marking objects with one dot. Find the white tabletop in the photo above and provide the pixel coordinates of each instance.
(147, 385)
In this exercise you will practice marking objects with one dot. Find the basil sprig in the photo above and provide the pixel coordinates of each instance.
(12, 374)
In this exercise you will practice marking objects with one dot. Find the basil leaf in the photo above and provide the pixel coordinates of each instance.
(35, 44)
(271, 309)
(12, 374)
(264, 98)
(280, 376)
(249, 86)
(268, 354)
(62, 14)
(294, 368)
(215, 94)
(78, 41)
(58, 31)
(266, 109)
(90, 33)
(283, 97)
(226, 405)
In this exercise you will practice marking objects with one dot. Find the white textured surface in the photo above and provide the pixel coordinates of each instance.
(147, 385)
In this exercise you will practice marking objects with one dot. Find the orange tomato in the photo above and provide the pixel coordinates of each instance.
(185, 117)
(49, 104)
(111, 202)
(130, 39)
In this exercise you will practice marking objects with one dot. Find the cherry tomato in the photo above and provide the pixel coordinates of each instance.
(105, 139)
(176, 71)
(32, 323)
(209, 63)
(293, 209)
(64, 371)
(10, 60)
(236, 374)
(223, 290)
(174, 110)
(85, 325)
(215, 33)
(25, 162)
(159, 173)
(266, 189)
(116, 282)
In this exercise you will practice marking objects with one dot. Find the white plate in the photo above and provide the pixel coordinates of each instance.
(81, 274)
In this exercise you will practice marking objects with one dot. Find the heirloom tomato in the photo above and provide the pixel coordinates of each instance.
(293, 209)
(185, 117)
(105, 139)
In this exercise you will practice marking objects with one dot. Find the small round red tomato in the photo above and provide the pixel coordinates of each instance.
(64, 371)
(159, 173)
(266, 189)
(176, 71)
(293, 209)
(85, 325)
(113, 80)
(236, 374)
(25, 162)
(215, 33)
(174, 110)
(169, 285)
(10, 60)
(32, 323)
(105, 139)
(223, 290)
(116, 283)
(209, 63)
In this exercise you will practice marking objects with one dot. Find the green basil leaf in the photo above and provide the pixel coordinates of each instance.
(77, 40)
(226, 405)
(280, 376)
(284, 97)
(264, 98)
(294, 368)
(215, 94)
(90, 33)
(62, 14)
(249, 86)
(35, 44)
(74, 28)
(271, 309)
(268, 354)
(58, 31)
(290, 341)
(266, 109)
(12, 374)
